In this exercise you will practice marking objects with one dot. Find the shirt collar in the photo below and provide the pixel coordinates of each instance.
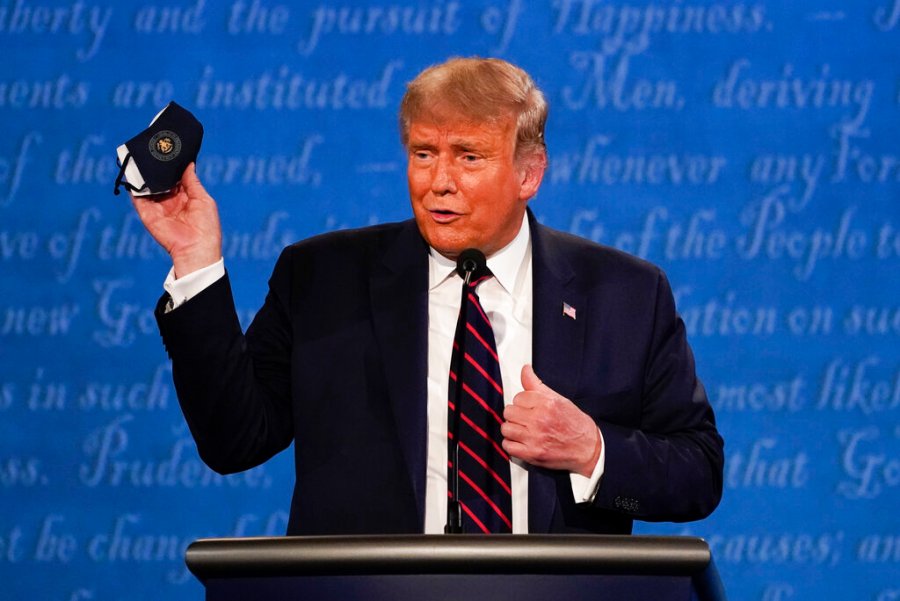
(506, 264)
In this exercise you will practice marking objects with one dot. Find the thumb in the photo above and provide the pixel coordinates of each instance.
(191, 182)
(530, 381)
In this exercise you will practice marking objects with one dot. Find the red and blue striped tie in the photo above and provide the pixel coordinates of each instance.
(484, 481)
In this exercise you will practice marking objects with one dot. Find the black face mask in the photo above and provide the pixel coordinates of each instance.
(160, 154)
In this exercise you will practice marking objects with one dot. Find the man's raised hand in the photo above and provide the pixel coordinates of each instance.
(546, 429)
(185, 221)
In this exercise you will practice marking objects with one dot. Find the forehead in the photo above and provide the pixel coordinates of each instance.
(461, 130)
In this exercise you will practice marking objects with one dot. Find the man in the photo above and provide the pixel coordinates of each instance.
(605, 420)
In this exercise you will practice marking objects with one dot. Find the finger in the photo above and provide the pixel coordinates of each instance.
(526, 400)
(515, 449)
(514, 432)
(145, 207)
(515, 415)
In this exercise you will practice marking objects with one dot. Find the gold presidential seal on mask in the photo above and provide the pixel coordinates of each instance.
(165, 145)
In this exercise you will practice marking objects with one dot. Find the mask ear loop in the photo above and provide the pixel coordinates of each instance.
(120, 179)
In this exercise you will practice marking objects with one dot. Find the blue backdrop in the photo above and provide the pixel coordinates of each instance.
(749, 148)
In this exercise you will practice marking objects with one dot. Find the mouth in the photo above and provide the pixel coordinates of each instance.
(444, 215)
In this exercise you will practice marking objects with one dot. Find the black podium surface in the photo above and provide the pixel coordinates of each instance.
(470, 568)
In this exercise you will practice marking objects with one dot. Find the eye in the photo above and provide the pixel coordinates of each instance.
(470, 158)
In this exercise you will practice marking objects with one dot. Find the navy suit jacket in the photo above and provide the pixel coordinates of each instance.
(335, 361)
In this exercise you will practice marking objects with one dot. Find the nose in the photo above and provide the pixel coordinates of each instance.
(443, 178)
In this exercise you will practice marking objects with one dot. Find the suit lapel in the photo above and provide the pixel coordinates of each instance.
(399, 295)
(557, 350)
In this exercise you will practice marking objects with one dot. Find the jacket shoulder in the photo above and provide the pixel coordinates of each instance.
(353, 240)
(592, 260)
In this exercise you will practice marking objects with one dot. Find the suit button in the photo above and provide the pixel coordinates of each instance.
(627, 504)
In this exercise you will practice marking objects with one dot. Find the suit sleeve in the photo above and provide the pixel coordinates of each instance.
(234, 389)
(669, 467)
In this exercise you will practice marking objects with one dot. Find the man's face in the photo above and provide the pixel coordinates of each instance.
(466, 188)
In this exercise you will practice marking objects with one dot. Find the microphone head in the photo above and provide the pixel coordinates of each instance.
(471, 262)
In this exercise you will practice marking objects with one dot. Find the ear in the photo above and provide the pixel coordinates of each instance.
(531, 173)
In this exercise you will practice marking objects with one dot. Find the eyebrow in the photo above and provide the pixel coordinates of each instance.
(457, 144)
(420, 145)
(465, 143)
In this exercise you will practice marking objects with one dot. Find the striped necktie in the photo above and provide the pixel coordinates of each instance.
(484, 480)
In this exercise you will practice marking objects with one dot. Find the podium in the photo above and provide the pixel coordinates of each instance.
(457, 568)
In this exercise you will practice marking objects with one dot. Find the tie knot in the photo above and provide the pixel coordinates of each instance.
(471, 266)
(477, 278)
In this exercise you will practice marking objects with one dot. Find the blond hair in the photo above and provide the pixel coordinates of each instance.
(482, 90)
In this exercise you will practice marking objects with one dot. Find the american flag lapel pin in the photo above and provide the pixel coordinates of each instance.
(568, 310)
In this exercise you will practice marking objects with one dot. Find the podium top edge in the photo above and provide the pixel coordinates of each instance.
(443, 554)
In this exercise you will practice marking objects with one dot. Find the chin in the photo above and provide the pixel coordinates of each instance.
(448, 248)
(452, 251)
(449, 252)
